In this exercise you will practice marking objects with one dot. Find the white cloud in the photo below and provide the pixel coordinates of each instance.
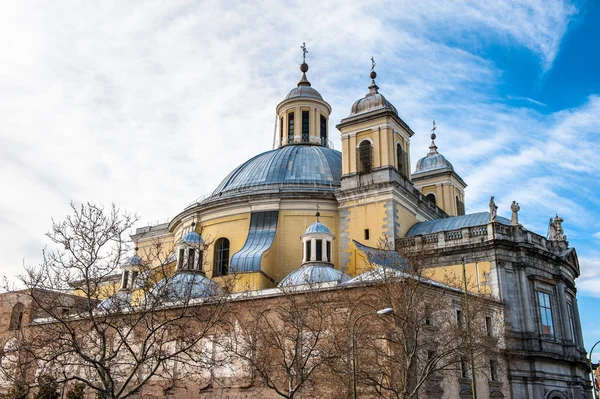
(589, 282)
(151, 104)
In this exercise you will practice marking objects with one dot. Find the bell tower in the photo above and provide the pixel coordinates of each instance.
(377, 200)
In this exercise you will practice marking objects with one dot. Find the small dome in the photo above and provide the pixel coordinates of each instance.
(135, 260)
(119, 301)
(314, 273)
(303, 91)
(183, 285)
(435, 161)
(317, 227)
(191, 237)
(372, 102)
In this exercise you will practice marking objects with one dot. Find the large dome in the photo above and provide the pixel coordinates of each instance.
(298, 166)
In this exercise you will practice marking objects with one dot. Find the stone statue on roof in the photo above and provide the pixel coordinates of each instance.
(493, 209)
(515, 208)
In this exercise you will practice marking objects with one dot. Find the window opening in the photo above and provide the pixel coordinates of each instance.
(180, 258)
(546, 313)
(291, 127)
(431, 197)
(366, 234)
(464, 368)
(459, 318)
(493, 370)
(460, 207)
(488, 325)
(16, 316)
(319, 244)
(134, 276)
(308, 250)
(400, 159)
(364, 157)
(329, 251)
(281, 130)
(222, 257)
(323, 130)
(191, 258)
(125, 278)
(571, 320)
(305, 126)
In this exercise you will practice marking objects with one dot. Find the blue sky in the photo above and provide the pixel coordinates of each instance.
(150, 104)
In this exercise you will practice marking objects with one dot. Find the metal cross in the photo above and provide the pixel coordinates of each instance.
(373, 64)
(434, 127)
(304, 51)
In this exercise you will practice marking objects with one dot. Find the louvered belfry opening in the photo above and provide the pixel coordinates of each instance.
(365, 152)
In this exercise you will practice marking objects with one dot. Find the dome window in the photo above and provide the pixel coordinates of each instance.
(365, 151)
(305, 133)
(221, 267)
(290, 127)
(323, 130)
(281, 130)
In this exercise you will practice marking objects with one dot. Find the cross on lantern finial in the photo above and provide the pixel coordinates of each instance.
(433, 128)
(304, 51)
(373, 63)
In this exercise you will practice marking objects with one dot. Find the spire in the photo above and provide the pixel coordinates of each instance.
(304, 67)
(432, 146)
(373, 89)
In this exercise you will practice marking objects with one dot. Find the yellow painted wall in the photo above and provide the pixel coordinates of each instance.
(291, 225)
(445, 188)
(477, 275)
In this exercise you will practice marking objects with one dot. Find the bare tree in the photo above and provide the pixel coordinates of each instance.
(428, 337)
(114, 341)
(292, 342)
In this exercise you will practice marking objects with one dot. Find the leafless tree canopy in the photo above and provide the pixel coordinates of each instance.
(117, 346)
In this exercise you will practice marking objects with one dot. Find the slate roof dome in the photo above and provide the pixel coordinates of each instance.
(303, 91)
(119, 301)
(191, 237)
(314, 273)
(373, 101)
(135, 260)
(317, 227)
(299, 166)
(433, 162)
(183, 285)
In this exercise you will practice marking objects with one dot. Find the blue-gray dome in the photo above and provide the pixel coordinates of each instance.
(298, 166)
(317, 227)
(313, 274)
(380, 273)
(183, 285)
(433, 162)
(119, 301)
(373, 101)
(303, 91)
(191, 237)
(135, 260)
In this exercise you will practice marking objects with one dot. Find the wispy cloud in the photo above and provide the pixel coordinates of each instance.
(150, 104)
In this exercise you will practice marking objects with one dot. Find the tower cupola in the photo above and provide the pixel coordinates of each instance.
(303, 116)
(190, 251)
(435, 178)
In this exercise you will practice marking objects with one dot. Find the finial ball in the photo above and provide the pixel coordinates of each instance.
(373, 75)
(318, 214)
(433, 136)
(304, 67)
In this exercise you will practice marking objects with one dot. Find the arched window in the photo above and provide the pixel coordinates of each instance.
(365, 152)
(16, 317)
(401, 159)
(431, 197)
(221, 257)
